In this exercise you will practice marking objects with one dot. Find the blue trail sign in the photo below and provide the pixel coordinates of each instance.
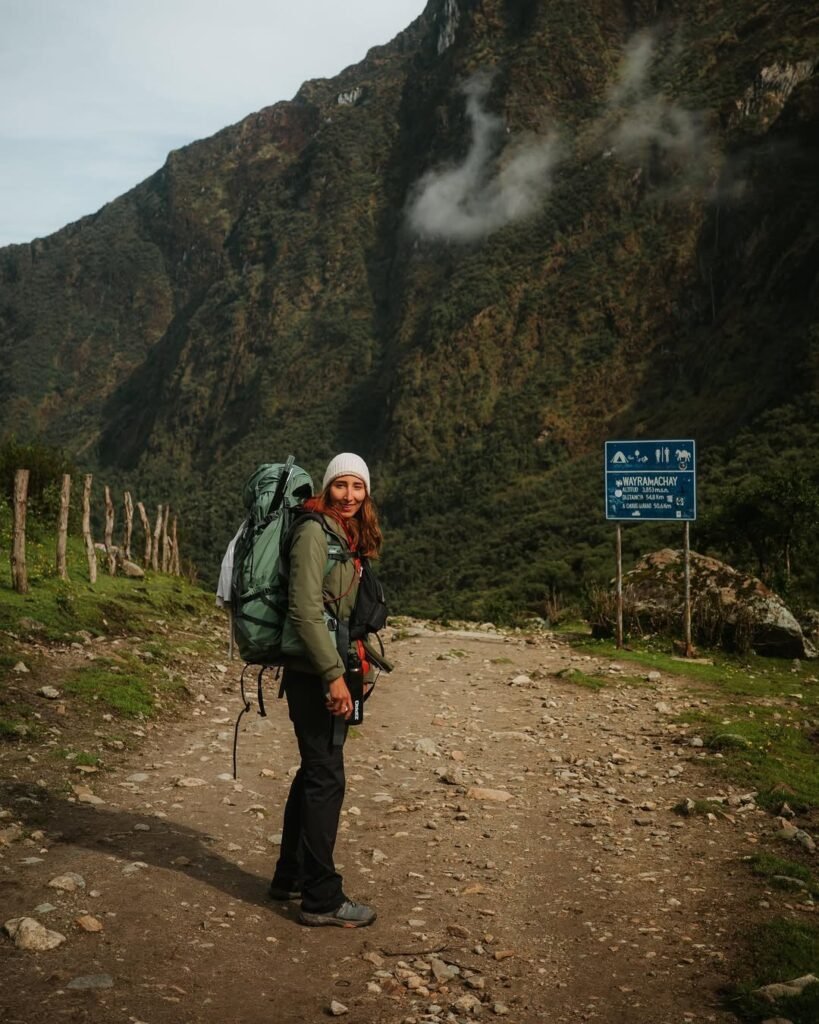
(650, 480)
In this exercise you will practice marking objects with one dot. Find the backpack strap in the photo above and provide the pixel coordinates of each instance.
(335, 551)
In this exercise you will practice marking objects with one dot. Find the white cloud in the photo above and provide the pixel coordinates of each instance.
(638, 55)
(486, 191)
(645, 117)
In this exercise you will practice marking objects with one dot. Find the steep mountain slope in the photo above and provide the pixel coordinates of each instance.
(515, 231)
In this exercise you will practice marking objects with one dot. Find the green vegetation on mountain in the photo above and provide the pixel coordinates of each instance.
(264, 292)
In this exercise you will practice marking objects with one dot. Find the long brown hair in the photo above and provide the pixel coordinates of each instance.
(362, 529)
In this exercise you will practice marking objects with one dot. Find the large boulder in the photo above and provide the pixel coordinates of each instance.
(810, 626)
(727, 606)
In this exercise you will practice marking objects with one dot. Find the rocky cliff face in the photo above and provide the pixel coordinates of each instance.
(518, 229)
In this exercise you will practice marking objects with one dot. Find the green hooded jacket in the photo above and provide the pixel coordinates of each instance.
(311, 589)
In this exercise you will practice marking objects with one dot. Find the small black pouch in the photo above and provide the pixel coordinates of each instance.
(370, 612)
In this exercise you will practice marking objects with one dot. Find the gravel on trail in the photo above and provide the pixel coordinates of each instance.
(514, 830)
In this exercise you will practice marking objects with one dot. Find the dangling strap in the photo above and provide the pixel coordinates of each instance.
(246, 704)
(244, 711)
(259, 694)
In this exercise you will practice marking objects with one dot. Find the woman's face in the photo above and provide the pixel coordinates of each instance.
(347, 494)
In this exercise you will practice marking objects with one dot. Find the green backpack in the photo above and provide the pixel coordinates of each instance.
(272, 498)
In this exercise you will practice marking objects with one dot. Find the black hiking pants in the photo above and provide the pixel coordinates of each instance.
(313, 806)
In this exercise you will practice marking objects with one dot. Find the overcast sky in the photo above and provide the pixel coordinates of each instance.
(96, 92)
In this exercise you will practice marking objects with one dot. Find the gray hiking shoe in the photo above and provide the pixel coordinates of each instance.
(348, 915)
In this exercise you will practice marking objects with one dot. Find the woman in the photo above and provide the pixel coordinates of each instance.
(323, 578)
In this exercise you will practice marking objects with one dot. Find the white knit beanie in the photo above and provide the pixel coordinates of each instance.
(347, 464)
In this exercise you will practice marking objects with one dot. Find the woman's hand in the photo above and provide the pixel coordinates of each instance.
(339, 701)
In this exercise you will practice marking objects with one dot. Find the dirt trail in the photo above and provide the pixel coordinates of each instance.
(581, 897)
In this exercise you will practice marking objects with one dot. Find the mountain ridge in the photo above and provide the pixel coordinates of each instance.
(265, 290)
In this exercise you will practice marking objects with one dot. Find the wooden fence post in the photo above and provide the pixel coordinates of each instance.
(146, 526)
(109, 533)
(62, 527)
(129, 524)
(175, 567)
(19, 576)
(166, 541)
(86, 529)
(157, 531)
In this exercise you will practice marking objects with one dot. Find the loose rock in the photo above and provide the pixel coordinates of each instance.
(442, 972)
(31, 935)
(88, 923)
(495, 795)
(467, 1004)
(10, 835)
(91, 981)
(69, 882)
(86, 796)
(783, 990)
(134, 868)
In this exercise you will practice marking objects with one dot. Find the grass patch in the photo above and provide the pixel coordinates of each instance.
(578, 678)
(599, 682)
(113, 605)
(727, 741)
(778, 951)
(160, 613)
(774, 757)
(84, 758)
(126, 693)
(577, 629)
(16, 729)
(773, 868)
(81, 757)
(747, 676)
(761, 723)
(157, 650)
(698, 808)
